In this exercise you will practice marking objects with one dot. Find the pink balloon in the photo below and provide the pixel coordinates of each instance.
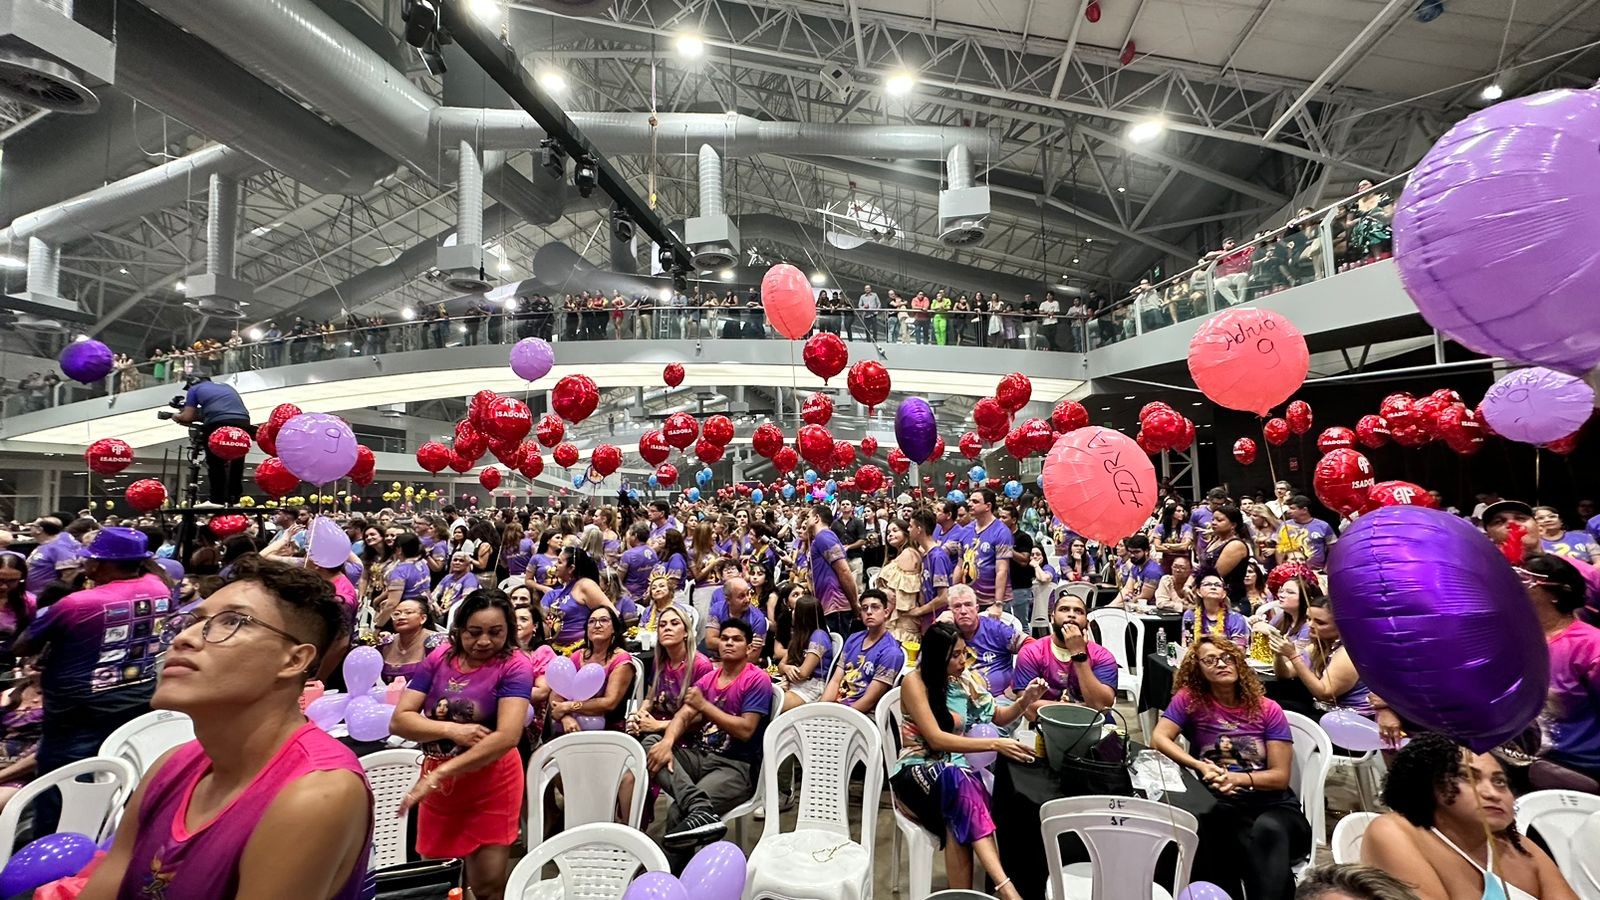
(1099, 483)
(1249, 359)
(587, 682)
(786, 297)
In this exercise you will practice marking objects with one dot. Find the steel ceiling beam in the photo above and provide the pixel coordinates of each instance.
(1351, 51)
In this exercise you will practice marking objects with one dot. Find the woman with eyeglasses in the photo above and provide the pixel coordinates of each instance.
(1240, 744)
(466, 707)
(1213, 615)
(602, 646)
(1324, 665)
(406, 647)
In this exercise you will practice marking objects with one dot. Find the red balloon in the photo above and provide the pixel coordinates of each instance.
(1372, 432)
(672, 374)
(1342, 481)
(1462, 430)
(509, 453)
(365, 467)
(707, 451)
(550, 429)
(1129, 51)
(1244, 450)
(869, 445)
(1146, 444)
(680, 430)
(1565, 446)
(1398, 493)
(667, 474)
(1336, 437)
(938, 450)
(470, 443)
(788, 302)
(1163, 429)
(1153, 407)
(1446, 395)
(228, 442)
(869, 479)
(229, 525)
(785, 459)
(653, 447)
(1092, 11)
(816, 445)
(1276, 431)
(1298, 415)
(869, 383)
(489, 478)
(459, 463)
(566, 455)
(1188, 433)
(1038, 434)
(574, 397)
(479, 404)
(532, 464)
(266, 438)
(433, 457)
(148, 494)
(605, 459)
(899, 463)
(274, 478)
(971, 445)
(817, 409)
(767, 439)
(108, 456)
(1069, 415)
(718, 430)
(844, 454)
(988, 414)
(825, 355)
(1014, 392)
(280, 414)
(1017, 444)
(507, 418)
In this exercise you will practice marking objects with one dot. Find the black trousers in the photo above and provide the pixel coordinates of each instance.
(224, 478)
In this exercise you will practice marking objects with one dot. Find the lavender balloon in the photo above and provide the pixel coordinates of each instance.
(655, 886)
(717, 872)
(368, 719)
(915, 430)
(1438, 624)
(1537, 406)
(532, 358)
(86, 361)
(1497, 234)
(316, 447)
(1352, 731)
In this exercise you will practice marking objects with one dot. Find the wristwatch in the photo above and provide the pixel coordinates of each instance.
(1080, 657)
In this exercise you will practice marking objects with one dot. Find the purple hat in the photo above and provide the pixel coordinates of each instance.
(119, 545)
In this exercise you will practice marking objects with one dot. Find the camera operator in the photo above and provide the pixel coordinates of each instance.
(214, 406)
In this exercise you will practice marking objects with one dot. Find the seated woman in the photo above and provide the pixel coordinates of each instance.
(1452, 834)
(805, 662)
(1213, 615)
(412, 639)
(21, 722)
(1324, 667)
(660, 597)
(932, 781)
(1570, 720)
(602, 645)
(1289, 620)
(1240, 745)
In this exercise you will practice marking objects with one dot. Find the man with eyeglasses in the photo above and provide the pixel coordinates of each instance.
(269, 785)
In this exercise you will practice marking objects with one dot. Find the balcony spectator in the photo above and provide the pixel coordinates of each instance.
(1232, 273)
(620, 326)
(34, 394)
(233, 353)
(1008, 322)
(1269, 270)
(1049, 337)
(1302, 247)
(273, 336)
(994, 332)
(869, 304)
(960, 327)
(1025, 315)
(542, 318)
(439, 325)
(922, 318)
(1077, 323)
(1372, 236)
(754, 329)
(1149, 306)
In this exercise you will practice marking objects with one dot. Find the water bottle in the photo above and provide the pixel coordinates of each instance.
(1161, 642)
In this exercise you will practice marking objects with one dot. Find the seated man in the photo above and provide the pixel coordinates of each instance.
(995, 643)
(870, 661)
(1175, 593)
(709, 754)
(1074, 668)
(1351, 882)
(735, 604)
(1138, 576)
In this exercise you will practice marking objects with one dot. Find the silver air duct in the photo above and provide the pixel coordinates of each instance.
(43, 295)
(217, 292)
(466, 263)
(963, 208)
(711, 235)
(48, 60)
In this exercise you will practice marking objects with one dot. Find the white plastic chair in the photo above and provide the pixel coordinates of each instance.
(837, 640)
(590, 764)
(1125, 837)
(391, 774)
(87, 807)
(1114, 624)
(1308, 774)
(1584, 874)
(1013, 623)
(920, 844)
(594, 862)
(142, 741)
(1556, 815)
(636, 693)
(736, 816)
(1346, 842)
(818, 860)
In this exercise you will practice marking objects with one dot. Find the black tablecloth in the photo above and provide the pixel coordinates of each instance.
(1155, 689)
(1020, 789)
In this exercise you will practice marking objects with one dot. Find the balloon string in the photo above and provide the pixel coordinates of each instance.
(1266, 445)
(1538, 458)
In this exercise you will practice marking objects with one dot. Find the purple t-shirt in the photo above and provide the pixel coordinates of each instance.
(413, 577)
(1199, 518)
(1571, 716)
(573, 612)
(936, 569)
(454, 588)
(675, 567)
(821, 643)
(825, 551)
(667, 524)
(1230, 737)
(989, 545)
(1147, 574)
(105, 645)
(666, 694)
(1313, 537)
(1234, 627)
(863, 665)
(1036, 660)
(539, 569)
(958, 535)
(634, 569)
(719, 613)
(1571, 544)
(749, 692)
(468, 698)
(516, 561)
(995, 644)
(46, 559)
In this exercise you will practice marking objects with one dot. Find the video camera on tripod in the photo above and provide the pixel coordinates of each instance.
(197, 447)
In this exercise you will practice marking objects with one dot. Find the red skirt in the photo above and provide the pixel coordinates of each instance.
(478, 809)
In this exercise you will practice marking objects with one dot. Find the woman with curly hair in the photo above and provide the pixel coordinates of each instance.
(1452, 834)
(1240, 745)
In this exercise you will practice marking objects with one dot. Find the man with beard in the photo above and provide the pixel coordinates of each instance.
(1076, 669)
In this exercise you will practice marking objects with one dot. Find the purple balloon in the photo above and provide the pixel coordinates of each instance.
(655, 886)
(86, 361)
(915, 430)
(368, 719)
(587, 682)
(591, 723)
(317, 447)
(1352, 731)
(1537, 406)
(559, 674)
(532, 358)
(1438, 624)
(327, 710)
(1497, 237)
(362, 668)
(983, 759)
(53, 856)
(1203, 890)
(717, 872)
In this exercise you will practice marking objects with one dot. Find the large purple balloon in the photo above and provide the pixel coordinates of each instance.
(53, 856)
(1497, 234)
(532, 358)
(86, 361)
(316, 447)
(1537, 406)
(915, 430)
(1203, 890)
(1438, 624)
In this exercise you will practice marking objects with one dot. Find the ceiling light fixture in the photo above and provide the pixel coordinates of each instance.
(1074, 260)
(900, 83)
(1121, 189)
(818, 278)
(552, 81)
(408, 313)
(254, 334)
(487, 10)
(1493, 91)
(1146, 130)
(11, 262)
(181, 287)
(690, 46)
(122, 270)
(726, 274)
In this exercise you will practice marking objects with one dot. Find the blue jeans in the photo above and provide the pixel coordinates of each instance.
(1021, 605)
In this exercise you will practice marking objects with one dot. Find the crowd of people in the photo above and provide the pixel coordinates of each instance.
(718, 602)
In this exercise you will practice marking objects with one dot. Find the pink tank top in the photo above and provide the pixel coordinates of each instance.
(171, 863)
